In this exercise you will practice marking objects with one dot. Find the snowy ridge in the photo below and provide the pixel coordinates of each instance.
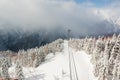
(75, 59)
(56, 67)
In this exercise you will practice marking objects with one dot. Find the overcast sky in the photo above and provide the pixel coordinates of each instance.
(74, 14)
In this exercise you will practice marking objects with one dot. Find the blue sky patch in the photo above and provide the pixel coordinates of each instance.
(98, 3)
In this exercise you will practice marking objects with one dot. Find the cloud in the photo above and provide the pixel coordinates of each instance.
(49, 14)
(30, 23)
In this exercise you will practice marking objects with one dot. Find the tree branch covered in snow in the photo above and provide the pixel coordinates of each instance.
(105, 55)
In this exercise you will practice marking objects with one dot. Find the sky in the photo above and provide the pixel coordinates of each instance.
(98, 3)
(79, 15)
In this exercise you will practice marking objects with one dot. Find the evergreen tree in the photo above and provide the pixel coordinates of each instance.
(118, 73)
(106, 56)
(19, 72)
(0, 73)
(115, 51)
(5, 67)
(9, 62)
(37, 60)
(115, 70)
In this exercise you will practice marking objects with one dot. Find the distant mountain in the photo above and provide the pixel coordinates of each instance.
(16, 39)
(109, 17)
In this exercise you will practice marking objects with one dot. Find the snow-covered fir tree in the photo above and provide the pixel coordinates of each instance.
(106, 59)
(5, 67)
(99, 48)
(102, 74)
(42, 55)
(19, 72)
(25, 59)
(114, 37)
(115, 69)
(97, 55)
(115, 52)
(0, 73)
(90, 46)
(118, 72)
(39, 58)
(9, 61)
(30, 61)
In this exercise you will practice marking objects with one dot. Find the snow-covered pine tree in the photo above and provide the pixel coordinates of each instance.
(85, 43)
(46, 49)
(42, 55)
(25, 61)
(5, 67)
(9, 61)
(19, 72)
(37, 60)
(20, 56)
(114, 37)
(104, 69)
(82, 44)
(106, 59)
(78, 44)
(118, 73)
(0, 61)
(93, 45)
(0, 73)
(90, 45)
(60, 45)
(108, 51)
(115, 51)
(102, 74)
(97, 57)
(33, 55)
(115, 70)
(30, 56)
(99, 48)
(50, 48)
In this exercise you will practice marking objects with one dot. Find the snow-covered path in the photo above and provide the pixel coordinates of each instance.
(82, 62)
(56, 67)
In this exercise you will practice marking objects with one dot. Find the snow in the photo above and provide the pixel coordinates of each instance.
(56, 67)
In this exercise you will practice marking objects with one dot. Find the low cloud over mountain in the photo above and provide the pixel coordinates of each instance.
(30, 23)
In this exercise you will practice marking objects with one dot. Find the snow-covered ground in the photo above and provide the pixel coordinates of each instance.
(56, 67)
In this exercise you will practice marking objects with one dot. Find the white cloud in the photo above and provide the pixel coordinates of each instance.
(49, 14)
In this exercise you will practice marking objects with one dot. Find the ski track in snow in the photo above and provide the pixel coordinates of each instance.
(56, 67)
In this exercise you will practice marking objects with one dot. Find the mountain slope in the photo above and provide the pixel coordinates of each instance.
(56, 67)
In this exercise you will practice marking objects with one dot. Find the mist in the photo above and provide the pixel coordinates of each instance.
(29, 23)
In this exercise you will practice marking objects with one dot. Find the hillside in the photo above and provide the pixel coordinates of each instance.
(56, 67)
(74, 59)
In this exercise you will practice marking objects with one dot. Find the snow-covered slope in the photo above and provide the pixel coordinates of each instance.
(56, 67)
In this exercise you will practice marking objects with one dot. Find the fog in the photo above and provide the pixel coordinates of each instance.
(52, 18)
